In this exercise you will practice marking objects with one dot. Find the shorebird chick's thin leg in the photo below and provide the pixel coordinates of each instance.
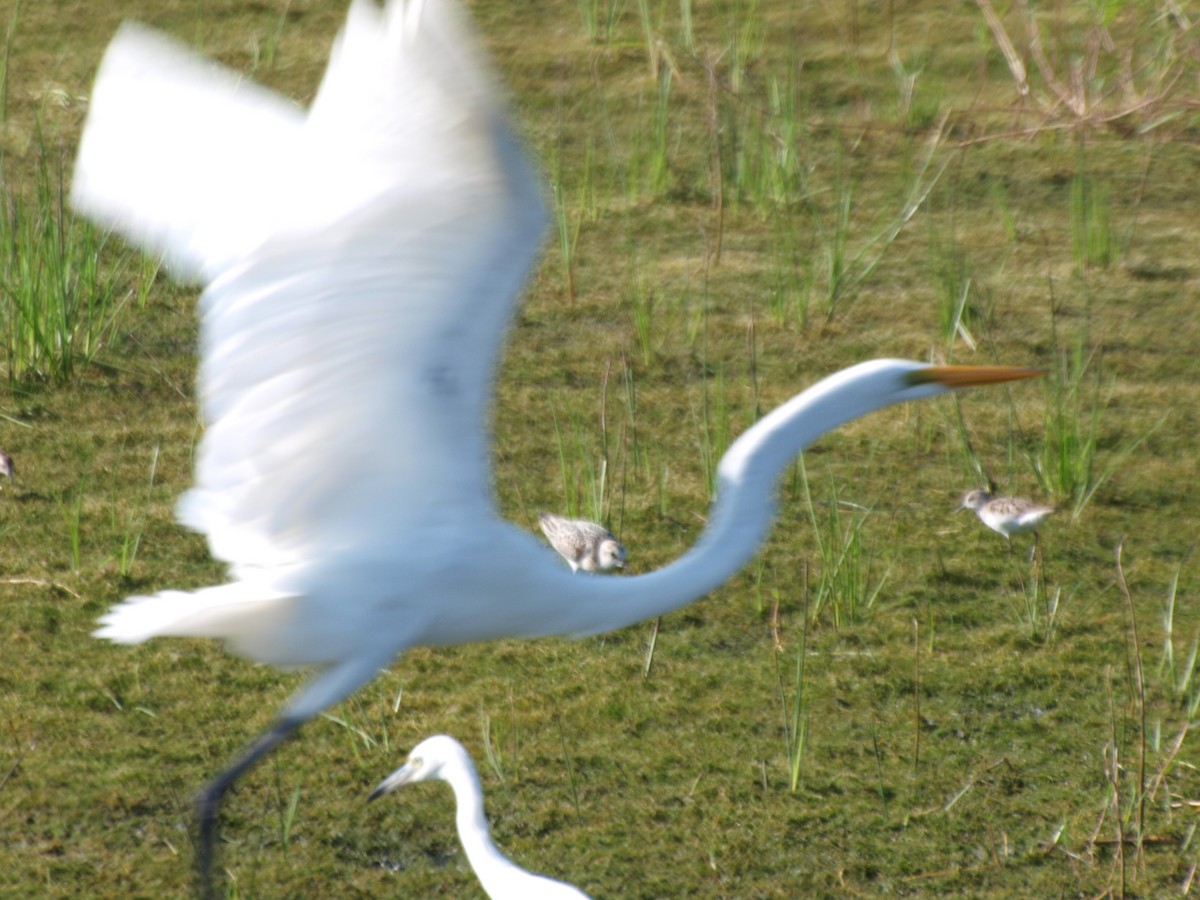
(583, 544)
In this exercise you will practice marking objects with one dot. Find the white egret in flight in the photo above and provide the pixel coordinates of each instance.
(361, 262)
(442, 758)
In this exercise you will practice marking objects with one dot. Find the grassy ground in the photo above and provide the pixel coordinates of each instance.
(750, 195)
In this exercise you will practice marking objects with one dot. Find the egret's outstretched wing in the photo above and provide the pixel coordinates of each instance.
(347, 356)
(181, 155)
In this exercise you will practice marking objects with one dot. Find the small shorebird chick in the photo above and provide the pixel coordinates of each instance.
(1006, 515)
(583, 544)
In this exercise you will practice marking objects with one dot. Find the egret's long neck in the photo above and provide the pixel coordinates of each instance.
(490, 865)
(744, 509)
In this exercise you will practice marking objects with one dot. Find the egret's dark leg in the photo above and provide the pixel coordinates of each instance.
(208, 802)
(327, 688)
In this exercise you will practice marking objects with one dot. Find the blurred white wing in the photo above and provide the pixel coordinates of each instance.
(181, 155)
(362, 273)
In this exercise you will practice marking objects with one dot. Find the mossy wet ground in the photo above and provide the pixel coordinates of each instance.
(958, 741)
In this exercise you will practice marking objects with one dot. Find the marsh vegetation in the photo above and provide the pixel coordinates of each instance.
(748, 195)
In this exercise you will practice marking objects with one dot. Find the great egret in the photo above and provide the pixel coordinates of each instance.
(1006, 515)
(362, 262)
(442, 758)
(583, 544)
(6, 466)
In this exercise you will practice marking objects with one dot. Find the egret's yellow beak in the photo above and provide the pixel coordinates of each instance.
(970, 376)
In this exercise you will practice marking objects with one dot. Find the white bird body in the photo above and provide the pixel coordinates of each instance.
(583, 544)
(442, 758)
(1006, 515)
(362, 262)
(340, 310)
